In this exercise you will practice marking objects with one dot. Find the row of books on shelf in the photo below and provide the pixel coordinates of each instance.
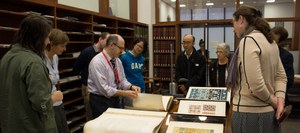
(163, 46)
(163, 60)
(141, 31)
(164, 33)
(149, 113)
(162, 73)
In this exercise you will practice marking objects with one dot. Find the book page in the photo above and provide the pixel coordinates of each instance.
(151, 102)
(193, 127)
(207, 108)
(167, 101)
(125, 121)
(209, 93)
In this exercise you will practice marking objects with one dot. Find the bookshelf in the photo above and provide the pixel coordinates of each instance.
(164, 38)
(80, 26)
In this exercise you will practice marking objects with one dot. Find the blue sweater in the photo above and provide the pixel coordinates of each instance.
(133, 67)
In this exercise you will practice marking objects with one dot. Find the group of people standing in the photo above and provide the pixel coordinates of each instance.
(30, 101)
(256, 76)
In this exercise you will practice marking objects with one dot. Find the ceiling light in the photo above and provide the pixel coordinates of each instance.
(270, 1)
(173, 0)
(209, 4)
(241, 2)
(182, 5)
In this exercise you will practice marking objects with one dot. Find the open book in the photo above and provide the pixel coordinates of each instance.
(126, 121)
(209, 93)
(193, 127)
(153, 102)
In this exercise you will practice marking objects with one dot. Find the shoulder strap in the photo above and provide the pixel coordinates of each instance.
(255, 43)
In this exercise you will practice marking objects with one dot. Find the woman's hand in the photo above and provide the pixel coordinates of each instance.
(57, 96)
(280, 107)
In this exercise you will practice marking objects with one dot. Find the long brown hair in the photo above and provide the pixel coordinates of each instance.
(34, 30)
(254, 19)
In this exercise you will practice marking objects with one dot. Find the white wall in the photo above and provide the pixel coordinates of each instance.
(120, 8)
(91, 5)
(280, 10)
(146, 14)
(165, 10)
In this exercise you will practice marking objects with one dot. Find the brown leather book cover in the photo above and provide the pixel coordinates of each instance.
(286, 112)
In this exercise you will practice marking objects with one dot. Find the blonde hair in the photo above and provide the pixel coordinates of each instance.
(57, 37)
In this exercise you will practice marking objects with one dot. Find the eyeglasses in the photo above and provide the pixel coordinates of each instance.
(122, 48)
(141, 47)
(221, 52)
(187, 43)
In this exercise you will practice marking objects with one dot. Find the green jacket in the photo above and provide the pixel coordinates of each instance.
(25, 93)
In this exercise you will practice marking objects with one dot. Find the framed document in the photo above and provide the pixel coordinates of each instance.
(208, 93)
(194, 127)
(205, 108)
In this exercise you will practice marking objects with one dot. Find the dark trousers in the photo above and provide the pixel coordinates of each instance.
(60, 118)
(100, 104)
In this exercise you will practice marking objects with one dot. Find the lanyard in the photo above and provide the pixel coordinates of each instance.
(115, 70)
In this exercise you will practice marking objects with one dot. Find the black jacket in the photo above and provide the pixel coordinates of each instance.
(287, 60)
(192, 69)
(217, 74)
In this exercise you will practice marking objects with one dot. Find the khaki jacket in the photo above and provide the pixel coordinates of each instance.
(260, 75)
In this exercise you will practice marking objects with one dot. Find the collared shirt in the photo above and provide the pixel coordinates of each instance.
(188, 56)
(53, 74)
(101, 80)
(95, 48)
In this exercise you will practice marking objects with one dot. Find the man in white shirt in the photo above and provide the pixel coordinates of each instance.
(106, 80)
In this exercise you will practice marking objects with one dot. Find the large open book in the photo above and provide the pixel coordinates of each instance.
(152, 102)
(209, 93)
(193, 127)
(126, 121)
(206, 108)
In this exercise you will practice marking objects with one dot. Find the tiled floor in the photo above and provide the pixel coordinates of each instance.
(291, 124)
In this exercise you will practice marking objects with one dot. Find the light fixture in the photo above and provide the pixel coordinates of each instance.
(173, 0)
(182, 5)
(202, 118)
(241, 2)
(209, 4)
(270, 1)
